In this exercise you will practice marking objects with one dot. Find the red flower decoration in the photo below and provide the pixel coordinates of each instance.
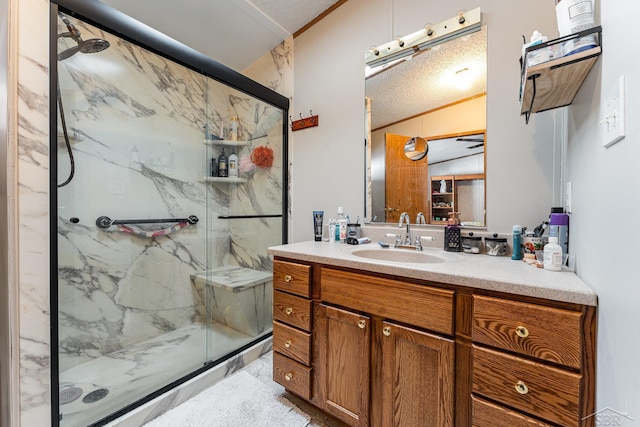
(262, 157)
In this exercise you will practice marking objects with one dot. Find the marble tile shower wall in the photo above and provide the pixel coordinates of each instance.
(136, 125)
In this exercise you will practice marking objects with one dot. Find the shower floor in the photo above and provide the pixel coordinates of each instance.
(104, 385)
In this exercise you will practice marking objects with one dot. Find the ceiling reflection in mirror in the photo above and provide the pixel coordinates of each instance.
(437, 94)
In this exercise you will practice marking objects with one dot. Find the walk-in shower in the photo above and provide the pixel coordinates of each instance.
(160, 268)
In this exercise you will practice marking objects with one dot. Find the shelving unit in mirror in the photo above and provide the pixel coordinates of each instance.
(555, 83)
(442, 198)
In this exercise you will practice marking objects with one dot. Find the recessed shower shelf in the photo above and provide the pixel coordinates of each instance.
(224, 180)
(226, 142)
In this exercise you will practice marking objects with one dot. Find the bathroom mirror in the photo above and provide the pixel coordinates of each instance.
(438, 94)
(416, 148)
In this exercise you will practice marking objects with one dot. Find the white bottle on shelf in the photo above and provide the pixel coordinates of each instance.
(232, 164)
(233, 134)
(537, 56)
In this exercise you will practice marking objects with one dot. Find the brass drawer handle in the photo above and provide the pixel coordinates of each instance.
(386, 331)
(288, 311)
(288, 376)
(362, 324)
(287, 278)
(287, 343)
(522, 388)
(522, 332)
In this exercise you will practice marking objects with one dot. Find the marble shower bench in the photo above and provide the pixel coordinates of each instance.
(238, 297)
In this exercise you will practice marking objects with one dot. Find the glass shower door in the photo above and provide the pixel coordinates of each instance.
(245, 163)
(162, 267)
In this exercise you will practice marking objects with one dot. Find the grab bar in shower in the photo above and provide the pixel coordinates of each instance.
(106, 222)
(249, 216)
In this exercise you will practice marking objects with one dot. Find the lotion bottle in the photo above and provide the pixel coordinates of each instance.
(342, 225)
(552, 255)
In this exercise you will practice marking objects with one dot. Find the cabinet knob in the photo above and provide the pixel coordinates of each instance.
(287, 343)
(362, 324)
(386, 331)
(522, 388)
(287, 278)
(288, 376)
(288, 311)
(522, 332)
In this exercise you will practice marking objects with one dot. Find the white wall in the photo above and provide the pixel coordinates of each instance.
(523, 161)
(327, 161)
(606, 202)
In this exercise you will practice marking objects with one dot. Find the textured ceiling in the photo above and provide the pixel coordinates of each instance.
(428, 80)
(292, 14)
(235, 33)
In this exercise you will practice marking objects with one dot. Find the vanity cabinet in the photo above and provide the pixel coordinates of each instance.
(533, 358)
(378, 350)
(292, 323)
(372, 369)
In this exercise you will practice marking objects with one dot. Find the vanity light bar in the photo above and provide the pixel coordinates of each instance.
(426, 38)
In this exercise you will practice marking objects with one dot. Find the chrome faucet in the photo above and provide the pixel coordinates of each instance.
(404, 219)
(420, 219)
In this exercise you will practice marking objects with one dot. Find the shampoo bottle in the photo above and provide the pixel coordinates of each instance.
(213, 169)
(222, 165)
(232, 164)
(517, 243)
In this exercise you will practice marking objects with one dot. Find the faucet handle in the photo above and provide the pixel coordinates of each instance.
(398, 238)
(418, 243)
(419, 239)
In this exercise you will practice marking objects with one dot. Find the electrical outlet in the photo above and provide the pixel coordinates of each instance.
(567, 198)
(613, 121)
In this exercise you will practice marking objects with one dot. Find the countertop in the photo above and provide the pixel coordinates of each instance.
(481, 271)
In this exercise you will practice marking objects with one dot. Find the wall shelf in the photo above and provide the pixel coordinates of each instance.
(223, 180)
(225, 142)
(555, 83)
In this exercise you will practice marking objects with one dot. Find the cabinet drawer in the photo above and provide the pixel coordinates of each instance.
(545, 333)
(292, 310)
(539, 390)
(292, 342)
(486, 414)
(292, 277)
(292, 375)
(417, 305)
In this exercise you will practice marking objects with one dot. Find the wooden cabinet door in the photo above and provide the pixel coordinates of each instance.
(344, 355)
(417, 377)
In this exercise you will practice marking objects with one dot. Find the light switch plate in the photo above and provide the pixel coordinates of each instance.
(613, 120)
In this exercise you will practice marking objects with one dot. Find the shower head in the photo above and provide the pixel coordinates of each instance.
(84, 46)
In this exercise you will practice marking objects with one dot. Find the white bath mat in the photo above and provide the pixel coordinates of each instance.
(238, 401)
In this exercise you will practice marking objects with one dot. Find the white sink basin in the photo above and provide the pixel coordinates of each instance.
(399, 255)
